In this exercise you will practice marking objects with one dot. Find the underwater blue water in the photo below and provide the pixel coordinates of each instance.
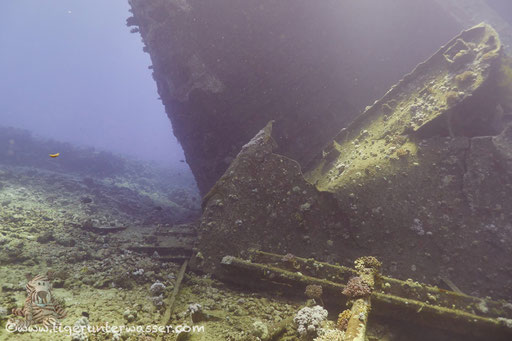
(72, 71)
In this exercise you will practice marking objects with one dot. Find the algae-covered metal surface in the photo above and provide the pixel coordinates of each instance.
(421, 180)
(407, 301)
(264, 201)
(424, 173)
(423, 101)
(225, 68)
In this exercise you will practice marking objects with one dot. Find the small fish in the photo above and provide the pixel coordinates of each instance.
(54, 155)
(182, 160)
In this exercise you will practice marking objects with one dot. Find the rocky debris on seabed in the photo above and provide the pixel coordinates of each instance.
(96, 277)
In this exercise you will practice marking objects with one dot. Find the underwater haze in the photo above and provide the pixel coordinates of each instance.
(348, 172)
(72, 71)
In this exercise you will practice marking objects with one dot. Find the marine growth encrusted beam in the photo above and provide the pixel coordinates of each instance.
(406, 301)
(225, 68)
(424, 173)
(436, 98)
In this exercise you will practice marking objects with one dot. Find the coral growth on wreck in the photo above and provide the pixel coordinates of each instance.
(368, 262)
(343, 319)
(313, 291)
(308, 320)
(357, 287)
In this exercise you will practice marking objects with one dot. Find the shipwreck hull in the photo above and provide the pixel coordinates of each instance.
(225, 68)
(422, 180)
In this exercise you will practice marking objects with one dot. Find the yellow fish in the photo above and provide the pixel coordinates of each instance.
(54, 155)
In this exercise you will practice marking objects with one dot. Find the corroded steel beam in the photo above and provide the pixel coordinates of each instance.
(458, 318)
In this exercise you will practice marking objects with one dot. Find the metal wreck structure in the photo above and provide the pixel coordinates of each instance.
(421, 180)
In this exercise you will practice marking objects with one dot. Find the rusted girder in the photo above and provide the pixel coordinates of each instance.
(401, 300)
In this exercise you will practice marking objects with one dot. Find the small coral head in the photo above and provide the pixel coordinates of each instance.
(343, 319)
(356, 288)
(313, 291)
(368, 262)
